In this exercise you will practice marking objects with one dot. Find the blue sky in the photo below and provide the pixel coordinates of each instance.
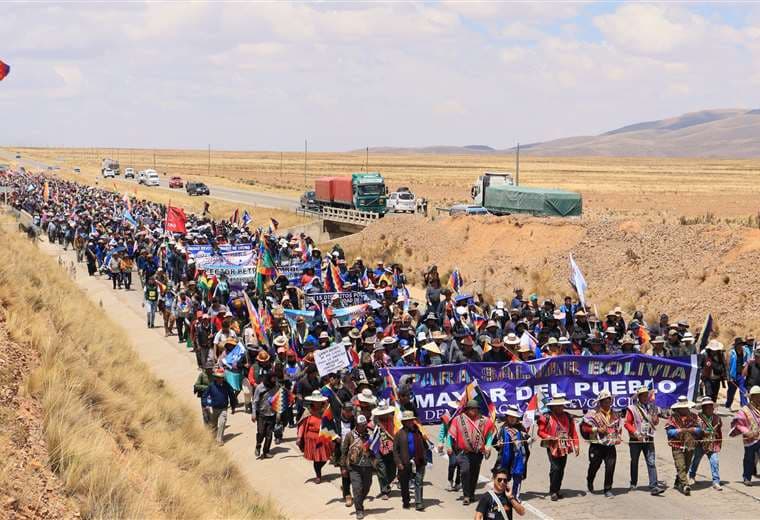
(265, 76)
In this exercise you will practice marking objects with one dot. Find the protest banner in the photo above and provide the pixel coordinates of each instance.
(350, 315)
(237, 262)
(331, 359)
(294, 271)
(580, 377)
(348, 298)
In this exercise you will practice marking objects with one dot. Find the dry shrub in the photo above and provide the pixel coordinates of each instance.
(117, 438)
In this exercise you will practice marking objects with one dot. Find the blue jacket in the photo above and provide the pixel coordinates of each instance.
(514, 458)
(218, 395)
(734, 372)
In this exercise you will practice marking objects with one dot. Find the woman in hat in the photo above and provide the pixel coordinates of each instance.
(560, 437)
(513, 448)
(683, 432)
(710, 444)
(316, 445)
(746, 423)
(603, 428)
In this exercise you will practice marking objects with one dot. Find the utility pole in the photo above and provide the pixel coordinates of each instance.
(209, 160)
(366, 161)
(305, 159)
(154, 159)
(280, 166)
(517, 165)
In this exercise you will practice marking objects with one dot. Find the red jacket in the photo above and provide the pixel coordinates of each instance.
(559, 433)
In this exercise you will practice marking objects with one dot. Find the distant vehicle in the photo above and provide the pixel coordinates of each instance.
(109, 164)
(77, 169)
(107, 173)
(141, 177)
(403, 188)
(152, 178)
(309, 200)
(197, 188)
(18, 155)
(176, 182)
(129, 173)
(402, 201)
(361, 191)
(50, 168)
(466, 209)
(497, 192)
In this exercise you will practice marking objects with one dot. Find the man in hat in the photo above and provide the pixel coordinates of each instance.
(382, 418)
(559, 437)
(470, 435)
(712, 363)
(746, 423)
(602, 427)
(262, 413)
(710, 444)
(366, 402)
(409, 453)
(347, 423)
(641, 419)
(357, 459)
(752, 370)
(201, 385)
(512, 442)
(497, 353)
(658, 347)
(738, 358)
(683, 433)
(217, 398)
(499, 503)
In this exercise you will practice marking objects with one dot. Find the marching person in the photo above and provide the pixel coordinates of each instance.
(746, 423)
(262, 413)
(454, 477)
(559, 437)
(513, 443)
(683, 432)
(738, 358)
(382, 418)
(710, 444)
(641, 420)
(217, 397)
(602, 427)
(357, 459)
(315, 446)
(499, 503)
(471, 435)
(409, 449)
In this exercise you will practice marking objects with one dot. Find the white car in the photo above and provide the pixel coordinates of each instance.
(108, 173)
(129, 173)
(152, 178)
(401, 201)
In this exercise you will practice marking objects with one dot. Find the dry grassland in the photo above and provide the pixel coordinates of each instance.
(119, 441)
(678, 187)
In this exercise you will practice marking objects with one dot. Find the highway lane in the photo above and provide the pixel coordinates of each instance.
(253, 198)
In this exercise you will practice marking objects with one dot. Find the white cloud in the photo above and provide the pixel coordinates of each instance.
(522, 31)
(450, 107)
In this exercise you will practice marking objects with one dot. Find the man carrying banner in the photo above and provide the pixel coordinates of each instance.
(683, 434)
(641, 420)
(602, 427)
(747, 423)
(471, 435)
(559, 437)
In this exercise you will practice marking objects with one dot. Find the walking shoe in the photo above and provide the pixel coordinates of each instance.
(419, 507)
(632, 487)
(590, 484)
(406, 506)
(691, 481)
(359, 515)
(349, 501)
(385, 496)
(686, 490)
(657, 491)
(466, 501)
(258, 452)
(560, 495)
(451, 486)
(746, 482)
(662, 484)
(608, 494)
(717, 487)
(554, 497)
(248, 408)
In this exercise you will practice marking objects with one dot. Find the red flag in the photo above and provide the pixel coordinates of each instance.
(4, 70)
(175, 220)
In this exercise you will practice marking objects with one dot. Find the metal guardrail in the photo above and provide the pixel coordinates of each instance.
(346, 216)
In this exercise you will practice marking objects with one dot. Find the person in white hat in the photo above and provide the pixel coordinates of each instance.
(746, 423)
(713, 370)
(471, 436)
(382, 417)
(641, 420)
(358, 460)
(560, 437)
(710, 444)
(513, 448)
(315, 445)
(366, 401)
(409, 454)
(602, 427)
(683, 433)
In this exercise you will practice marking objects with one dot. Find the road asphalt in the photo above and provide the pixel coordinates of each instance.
(286, 478)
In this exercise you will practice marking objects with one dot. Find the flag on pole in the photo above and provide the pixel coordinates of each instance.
(235, 216)
(333, 281)
(473, 391)
(255, 319)
(704, 336)
(5, 69)
(455, 281)
(175, 220)
(45, 191)
(536, 406)
(273, 225)
(127, 201)
(246, 218)
(578, 281)
(127, 215)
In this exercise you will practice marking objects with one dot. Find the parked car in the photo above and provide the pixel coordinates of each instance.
(18, 155)
(152, 178)
(309, 201)
(77, 169)
(108, 174)
(176, 182)
(129, 173)
(141, 177)
(197, 188)
(402, 201)
(467, 209)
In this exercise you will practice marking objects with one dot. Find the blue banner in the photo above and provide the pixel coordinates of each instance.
(238, 262)
(581, 378)
(295, 270)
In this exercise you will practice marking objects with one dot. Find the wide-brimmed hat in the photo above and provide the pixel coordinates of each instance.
(432, 347)
(408, 351)
(280, 341)
(610, 330)
(755, 390)
(714, 344)
(659, 340)
(366, 396)
(564, 341)
(683, 402)
(316, 397)
(324, 335)
(558, 315)
(604, 394)
(627, 340)
(378, 347)
(408, 415)
(524, 348)
(354, 333)
(511, 339)
(262, 357)
(580, 313)
(642, 390)
(388, 340)
(491, 324)
(558, 399)
(438, 335)
(688, 337)
(472, 403)
(383, 409)
(705, 400)
(552, 342)
(514, 411)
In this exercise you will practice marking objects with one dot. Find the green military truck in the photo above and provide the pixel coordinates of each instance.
(497, 193)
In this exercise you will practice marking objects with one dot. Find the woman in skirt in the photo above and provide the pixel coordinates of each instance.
(315, 442)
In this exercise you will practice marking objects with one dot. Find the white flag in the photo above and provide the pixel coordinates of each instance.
(578, 281)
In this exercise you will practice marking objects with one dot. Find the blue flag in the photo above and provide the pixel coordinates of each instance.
(246, 218)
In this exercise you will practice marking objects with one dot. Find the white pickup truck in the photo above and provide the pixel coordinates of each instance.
(402, 200)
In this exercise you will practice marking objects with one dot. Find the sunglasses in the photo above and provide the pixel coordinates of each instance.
(501, 480)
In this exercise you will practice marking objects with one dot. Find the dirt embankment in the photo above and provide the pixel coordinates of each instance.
(28, 487)
(663, 266)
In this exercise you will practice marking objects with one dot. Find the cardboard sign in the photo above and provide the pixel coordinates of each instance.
(331, 359)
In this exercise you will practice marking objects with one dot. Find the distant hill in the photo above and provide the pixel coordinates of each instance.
(724, 133)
